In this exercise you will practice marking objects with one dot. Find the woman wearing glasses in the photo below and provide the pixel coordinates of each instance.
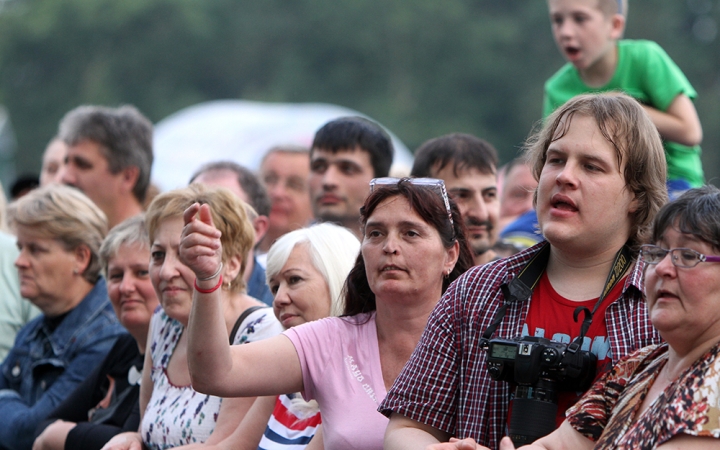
(413, 246)
(663, 396)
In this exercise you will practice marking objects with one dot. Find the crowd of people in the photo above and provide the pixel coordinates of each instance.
(568, 299)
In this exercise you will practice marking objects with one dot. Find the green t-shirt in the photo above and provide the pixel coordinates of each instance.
(646, 73)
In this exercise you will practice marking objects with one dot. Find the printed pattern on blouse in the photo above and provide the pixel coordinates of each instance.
(175, 415)
(689, 405)
(179, 415)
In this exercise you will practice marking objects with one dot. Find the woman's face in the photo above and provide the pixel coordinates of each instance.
(684, 302)
(172, 280)
(403, 254)
(129, 287)
(46, 271)
(301, 293)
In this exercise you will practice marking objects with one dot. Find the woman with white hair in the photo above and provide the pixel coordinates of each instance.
(306, 271)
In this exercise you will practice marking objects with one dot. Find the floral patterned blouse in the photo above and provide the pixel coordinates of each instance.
(178, 415)
(689, 405)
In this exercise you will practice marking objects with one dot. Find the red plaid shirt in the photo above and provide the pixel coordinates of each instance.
(446, 385)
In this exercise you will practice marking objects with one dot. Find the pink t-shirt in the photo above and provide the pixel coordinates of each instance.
(340, 362)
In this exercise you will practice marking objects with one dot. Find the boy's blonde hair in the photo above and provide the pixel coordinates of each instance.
(612, 7)
(624, 123)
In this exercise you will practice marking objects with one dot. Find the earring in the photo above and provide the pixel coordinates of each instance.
(75, 272)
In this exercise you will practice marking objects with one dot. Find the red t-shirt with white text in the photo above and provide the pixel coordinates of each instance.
(551, 316)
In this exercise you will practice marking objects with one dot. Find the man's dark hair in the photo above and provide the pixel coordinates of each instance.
(347, 133)
(248, 181)
(23, 184)
(123, 133)
(464, 151)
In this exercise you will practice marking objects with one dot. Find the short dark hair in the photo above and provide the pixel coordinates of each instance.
(431, 208)
(347, 133)
(124, 134)
(23, 184)
(248, 181)
(517, 161)
(464, 151)
(696, 212)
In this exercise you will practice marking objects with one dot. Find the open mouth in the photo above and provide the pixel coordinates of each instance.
(572, 52)
(563, 203)
(390, 268)
(564, 206)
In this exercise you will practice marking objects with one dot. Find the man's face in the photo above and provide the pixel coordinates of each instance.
(339, 184)
(583, 203)
(518, 191)
(476, 196)
(53, 162)
(285, 175)
(87, 169)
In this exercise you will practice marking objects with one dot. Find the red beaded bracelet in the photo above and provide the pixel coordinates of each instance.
(208, 291)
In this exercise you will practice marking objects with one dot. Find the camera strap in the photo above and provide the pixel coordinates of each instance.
(623, 259)
(520, 288)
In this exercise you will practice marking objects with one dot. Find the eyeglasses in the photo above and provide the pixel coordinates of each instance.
(432, 183)
(680, 257)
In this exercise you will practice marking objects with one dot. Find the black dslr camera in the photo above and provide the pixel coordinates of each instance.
(540, 368)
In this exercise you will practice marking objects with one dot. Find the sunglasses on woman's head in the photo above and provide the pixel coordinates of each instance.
(435, 184)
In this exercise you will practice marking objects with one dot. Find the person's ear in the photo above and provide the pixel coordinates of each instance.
(617, 24)
(634, 205)
(453, 253)
(261, 225)
(83, 255)
(130, 176)
(231, 268)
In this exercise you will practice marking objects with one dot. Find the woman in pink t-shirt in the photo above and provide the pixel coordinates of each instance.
(413, 246)
(306, 271)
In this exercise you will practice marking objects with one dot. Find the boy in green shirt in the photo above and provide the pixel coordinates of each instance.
(588, 34)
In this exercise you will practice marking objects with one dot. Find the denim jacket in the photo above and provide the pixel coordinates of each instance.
(44, 367)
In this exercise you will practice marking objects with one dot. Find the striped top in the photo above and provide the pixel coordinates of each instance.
(286, 431)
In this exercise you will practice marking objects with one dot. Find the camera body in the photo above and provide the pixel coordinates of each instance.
(525, 360)
(540, 368)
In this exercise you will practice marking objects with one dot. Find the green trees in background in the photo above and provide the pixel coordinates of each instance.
(422, 68)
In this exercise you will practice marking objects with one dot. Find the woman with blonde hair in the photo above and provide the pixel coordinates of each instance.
(173, 413)
(59, 233)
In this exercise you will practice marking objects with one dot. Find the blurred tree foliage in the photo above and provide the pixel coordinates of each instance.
(422, 68)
